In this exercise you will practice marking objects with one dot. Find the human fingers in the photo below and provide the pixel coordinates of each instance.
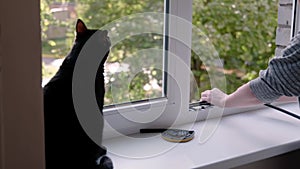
(206, 96)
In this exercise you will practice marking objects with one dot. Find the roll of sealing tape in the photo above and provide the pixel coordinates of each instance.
(178, 135)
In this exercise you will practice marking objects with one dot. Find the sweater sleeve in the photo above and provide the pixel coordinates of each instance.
(282, 77)
(263, 89)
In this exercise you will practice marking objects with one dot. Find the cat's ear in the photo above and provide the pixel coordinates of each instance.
(80, 26)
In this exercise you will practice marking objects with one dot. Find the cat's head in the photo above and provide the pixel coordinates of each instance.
(82, 36)
(83, 33)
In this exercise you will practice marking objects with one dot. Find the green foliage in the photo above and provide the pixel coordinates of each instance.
(46, 18)
(55, 47)
(243, 33)
(96, 14)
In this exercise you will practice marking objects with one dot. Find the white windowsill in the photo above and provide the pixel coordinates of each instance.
(239, 139)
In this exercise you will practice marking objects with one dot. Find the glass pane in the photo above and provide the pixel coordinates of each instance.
(242, 33)
(134, 68)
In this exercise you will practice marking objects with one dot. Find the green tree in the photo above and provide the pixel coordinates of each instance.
(96, 14)
(242, 31)
(55, 47)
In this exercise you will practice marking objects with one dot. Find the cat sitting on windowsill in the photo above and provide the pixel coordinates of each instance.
(66, 143)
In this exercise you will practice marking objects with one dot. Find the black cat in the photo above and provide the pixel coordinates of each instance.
(67, 145)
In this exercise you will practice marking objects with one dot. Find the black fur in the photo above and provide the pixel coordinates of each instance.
(67, 145)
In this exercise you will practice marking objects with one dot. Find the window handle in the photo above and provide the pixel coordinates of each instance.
(201, 105)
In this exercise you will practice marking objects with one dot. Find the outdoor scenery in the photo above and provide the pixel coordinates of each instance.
(242, 31)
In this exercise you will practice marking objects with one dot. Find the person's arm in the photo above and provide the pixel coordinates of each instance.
(280, 79)
(243, 96)
(240, 98)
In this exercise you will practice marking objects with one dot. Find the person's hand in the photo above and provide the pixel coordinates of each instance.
(215, 97)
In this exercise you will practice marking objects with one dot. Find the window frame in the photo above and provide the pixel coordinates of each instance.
(173, 109)
(174, 104)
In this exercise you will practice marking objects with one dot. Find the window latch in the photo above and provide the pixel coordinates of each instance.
(201, 105)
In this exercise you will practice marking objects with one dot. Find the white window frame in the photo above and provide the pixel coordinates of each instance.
(172, 109)
(175, 105)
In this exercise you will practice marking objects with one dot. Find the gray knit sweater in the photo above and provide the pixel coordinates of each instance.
(282, 77)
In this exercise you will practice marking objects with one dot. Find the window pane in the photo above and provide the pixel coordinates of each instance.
(242, 33)
(134, 68)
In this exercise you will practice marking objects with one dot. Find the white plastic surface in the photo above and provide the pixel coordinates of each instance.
(239, 139)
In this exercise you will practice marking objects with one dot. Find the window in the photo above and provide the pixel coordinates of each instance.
(152, 75)
(126, 78)
(146, 81)
(173, 108)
